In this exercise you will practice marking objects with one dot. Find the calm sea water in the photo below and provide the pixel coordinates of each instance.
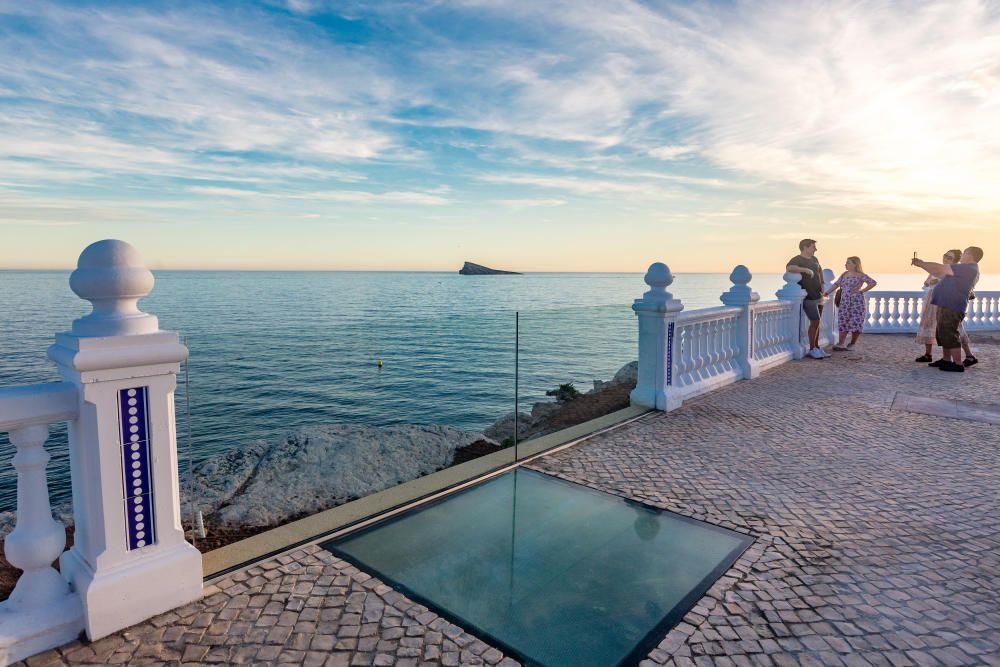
(274, 351)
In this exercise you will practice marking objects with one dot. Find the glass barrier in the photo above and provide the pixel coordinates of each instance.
(291, 421)
(575, 365)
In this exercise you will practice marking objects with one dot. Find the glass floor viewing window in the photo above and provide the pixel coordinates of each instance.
(551, 572)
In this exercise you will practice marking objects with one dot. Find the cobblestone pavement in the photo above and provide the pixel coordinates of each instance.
(878, 537)
(878, 532)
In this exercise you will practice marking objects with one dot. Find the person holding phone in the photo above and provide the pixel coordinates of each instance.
(951, 296)
(928, 319)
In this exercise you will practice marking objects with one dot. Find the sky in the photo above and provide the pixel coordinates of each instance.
(527, 135)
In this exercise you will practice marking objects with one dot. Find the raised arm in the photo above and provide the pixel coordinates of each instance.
(795, 268)
(933, 268)
(870, 284)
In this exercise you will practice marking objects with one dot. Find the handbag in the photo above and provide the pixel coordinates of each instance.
(836, 297)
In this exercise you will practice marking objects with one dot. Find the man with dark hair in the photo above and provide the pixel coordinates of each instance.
(951, 296)
(806, 264)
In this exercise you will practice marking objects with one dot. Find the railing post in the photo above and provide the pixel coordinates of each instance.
(657, 313)
(742, 296)
(828, 323)
(797, 324)
(41, 612)
(129, 561)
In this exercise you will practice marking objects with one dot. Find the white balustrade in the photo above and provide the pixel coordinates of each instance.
(41, 611)
(129, 560)
(706, 349)
(899, 312)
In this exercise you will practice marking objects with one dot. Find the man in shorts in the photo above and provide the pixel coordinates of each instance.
(806, 264)
(951, 296)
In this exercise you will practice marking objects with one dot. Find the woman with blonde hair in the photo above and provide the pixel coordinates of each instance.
(928, 318)
(852, 311)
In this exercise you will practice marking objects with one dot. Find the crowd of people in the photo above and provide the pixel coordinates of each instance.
(949, 288)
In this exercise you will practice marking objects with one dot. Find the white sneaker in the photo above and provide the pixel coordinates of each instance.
(817, 353)
(850, 347)
(825, 353)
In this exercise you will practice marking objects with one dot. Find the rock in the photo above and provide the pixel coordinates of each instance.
(503, 428)
(318, 467)
(471, 269)
(627, 374)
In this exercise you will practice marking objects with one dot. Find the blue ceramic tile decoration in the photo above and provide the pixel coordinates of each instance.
(137, 482)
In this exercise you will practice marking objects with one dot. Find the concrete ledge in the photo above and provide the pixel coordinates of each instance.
(289, 535)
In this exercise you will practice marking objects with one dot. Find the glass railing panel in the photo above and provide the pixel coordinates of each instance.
(291, 421)
(575, 365)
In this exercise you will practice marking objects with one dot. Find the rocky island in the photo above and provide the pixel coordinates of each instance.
(472, 269)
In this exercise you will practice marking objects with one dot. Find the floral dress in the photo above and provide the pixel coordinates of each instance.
(852, 311)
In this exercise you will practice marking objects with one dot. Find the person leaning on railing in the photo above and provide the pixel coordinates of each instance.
(807, 264)
(928, 319)
(951, 296)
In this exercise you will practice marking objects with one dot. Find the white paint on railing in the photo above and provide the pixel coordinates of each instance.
(41, 611)
(899, 312)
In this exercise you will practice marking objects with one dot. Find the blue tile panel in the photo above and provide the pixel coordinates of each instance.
(137, 473)
(670, 354)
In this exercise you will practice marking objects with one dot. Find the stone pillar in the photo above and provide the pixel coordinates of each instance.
(798, 324)
(828, 323)
(129, 561)
(657, 312)
(740, 295)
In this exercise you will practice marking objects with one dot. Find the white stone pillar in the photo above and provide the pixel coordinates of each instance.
(797, 322)
(740, 295)
(657, 312)
(129, 561)
(828, 323)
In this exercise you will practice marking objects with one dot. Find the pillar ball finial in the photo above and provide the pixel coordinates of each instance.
(741, 275)
(658, 276)
(112, 275)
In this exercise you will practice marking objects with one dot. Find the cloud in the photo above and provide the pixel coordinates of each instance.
(531, 203)
(673, 152)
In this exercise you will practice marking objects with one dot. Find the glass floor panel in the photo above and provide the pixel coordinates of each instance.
(549, 571)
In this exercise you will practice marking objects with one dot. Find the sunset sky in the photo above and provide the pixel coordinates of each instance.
(528, 135)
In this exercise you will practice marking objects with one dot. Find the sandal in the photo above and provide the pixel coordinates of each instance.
(839, 348)
(970, 361)
(924, 358)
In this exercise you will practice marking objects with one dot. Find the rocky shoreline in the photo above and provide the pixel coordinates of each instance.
(321, 466)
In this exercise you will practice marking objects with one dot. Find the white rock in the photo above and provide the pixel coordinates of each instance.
(317, 467)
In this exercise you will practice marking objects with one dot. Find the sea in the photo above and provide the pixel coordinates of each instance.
(274, 351)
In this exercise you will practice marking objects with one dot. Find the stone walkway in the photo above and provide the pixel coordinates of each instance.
(878, 536)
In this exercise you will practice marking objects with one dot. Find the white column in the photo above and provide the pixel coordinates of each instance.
(742, 296)
(797, 324)
(129, 561)
(828, 323)
(657, 312)
(41, 612)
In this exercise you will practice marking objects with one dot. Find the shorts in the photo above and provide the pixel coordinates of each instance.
(948, 323)
(813, 309)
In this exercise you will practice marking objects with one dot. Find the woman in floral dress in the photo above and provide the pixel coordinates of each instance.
(926, 333)
(852, 311)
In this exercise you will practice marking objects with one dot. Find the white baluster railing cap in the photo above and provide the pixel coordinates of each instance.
(740, 293)
(658, 277)
(791, 288)
(112, 275)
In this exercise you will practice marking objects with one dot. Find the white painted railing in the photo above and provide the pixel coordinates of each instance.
(682, 355)
(129, 560)
(706, 350)
(899, 312)
(41, 611)
(772, 321)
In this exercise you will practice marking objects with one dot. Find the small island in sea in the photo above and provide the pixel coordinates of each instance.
(473, 269)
